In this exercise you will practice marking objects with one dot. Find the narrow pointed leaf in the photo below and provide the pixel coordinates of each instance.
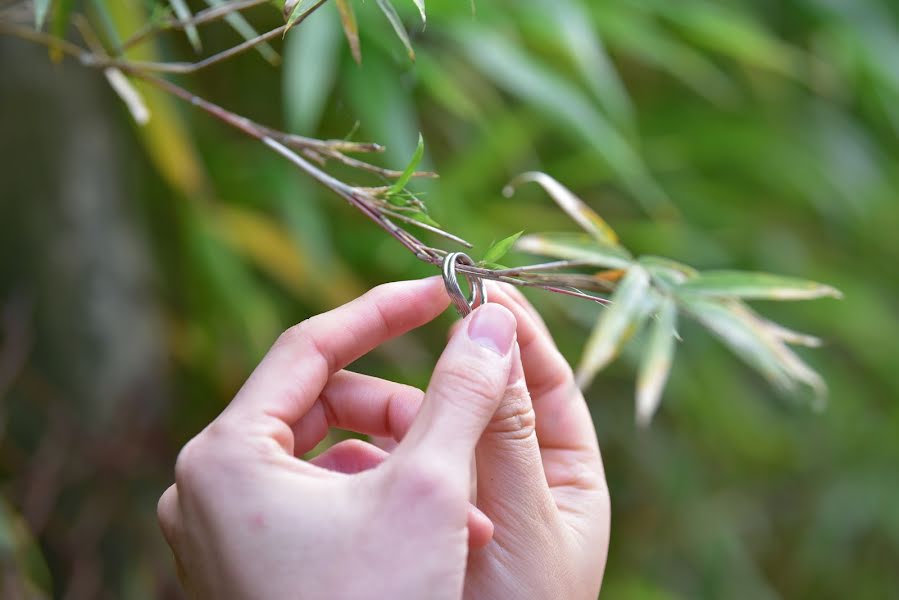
(183, 13)
(792, 337)
(656, 363)
(498, 250)
(575, 246)
(41, 8)
(129, 95)
(584, 45)
(776, 338)
(421, 8)
(62, 14)
(759, 286)
(309, 73)
(727, 322)
(239, 24)
(350, 28)
(401, 183)
(582, 214)
(668, 271)
(397, 24)
(293, 10)
(616, 322)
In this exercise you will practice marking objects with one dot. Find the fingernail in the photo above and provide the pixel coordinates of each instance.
(493, 327)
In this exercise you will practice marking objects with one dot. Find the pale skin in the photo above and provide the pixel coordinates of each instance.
(249, 518)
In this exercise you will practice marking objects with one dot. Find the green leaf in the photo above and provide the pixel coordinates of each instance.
(575, 34)
(238, 23)
(41, 8)
(425, 218)
(757, 342)
(421, 8)
(500, 248)
(59, 24)
(582, 214)
(726, 321)
(575, 246)
(309, 73)
(183, 13)
(561, 101)
(623, 317)
(296, 11)
(656, 363)
(667, 272)
(758, 286)
(400, 184)
(395, 21)
(350, 28)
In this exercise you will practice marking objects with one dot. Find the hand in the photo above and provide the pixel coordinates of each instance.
(247, 518)
(539, 478)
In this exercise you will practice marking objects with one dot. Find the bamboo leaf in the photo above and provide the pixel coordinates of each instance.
(293, 10)
(498, 250)
(621, 318)
(62, 14)
(129, 95)
(577, 36)
(582, 214)
(421, 8)
(239, 24)
(400, 184)
(535, 83)
(183, 13)
(350, 28)
(575, 246)
(310, 69)
(656, 363)
(759, 286)
(397, 24)
(669, 272)
(749, 342)
(41, 8)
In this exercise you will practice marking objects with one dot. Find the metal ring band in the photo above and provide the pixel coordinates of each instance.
(478, 294)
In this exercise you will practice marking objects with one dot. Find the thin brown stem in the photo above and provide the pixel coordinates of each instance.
(284, 144)
(208, 15)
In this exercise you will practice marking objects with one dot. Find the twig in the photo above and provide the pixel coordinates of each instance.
(425, 226)
(366, 200)
(208, 15)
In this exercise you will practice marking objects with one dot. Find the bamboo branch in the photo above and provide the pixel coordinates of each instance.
(287, 145)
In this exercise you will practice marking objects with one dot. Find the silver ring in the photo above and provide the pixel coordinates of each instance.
(478, 295)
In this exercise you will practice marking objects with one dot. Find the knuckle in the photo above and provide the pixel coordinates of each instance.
(191, 462)
(515, 418)
(166, 513)
(294, 334)
(465, 382)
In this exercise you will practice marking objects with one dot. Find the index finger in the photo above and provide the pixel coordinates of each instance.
(290, 378)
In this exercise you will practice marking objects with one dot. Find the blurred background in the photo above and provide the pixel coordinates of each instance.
(145, 271)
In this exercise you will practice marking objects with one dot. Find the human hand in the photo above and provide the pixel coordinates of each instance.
(539, 478)
(247, 518)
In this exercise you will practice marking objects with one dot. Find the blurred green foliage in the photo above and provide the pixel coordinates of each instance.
(727, 134)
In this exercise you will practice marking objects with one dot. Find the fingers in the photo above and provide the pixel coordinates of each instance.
(358, 403)
(509, 466)
(465, 390)
(563, 420)
(168, 514)
(350, 456)
(292, 375)
(355, 456)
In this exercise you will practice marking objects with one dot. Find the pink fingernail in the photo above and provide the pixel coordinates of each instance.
(493, 327)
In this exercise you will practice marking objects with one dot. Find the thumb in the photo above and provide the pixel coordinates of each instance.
(465, 390)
